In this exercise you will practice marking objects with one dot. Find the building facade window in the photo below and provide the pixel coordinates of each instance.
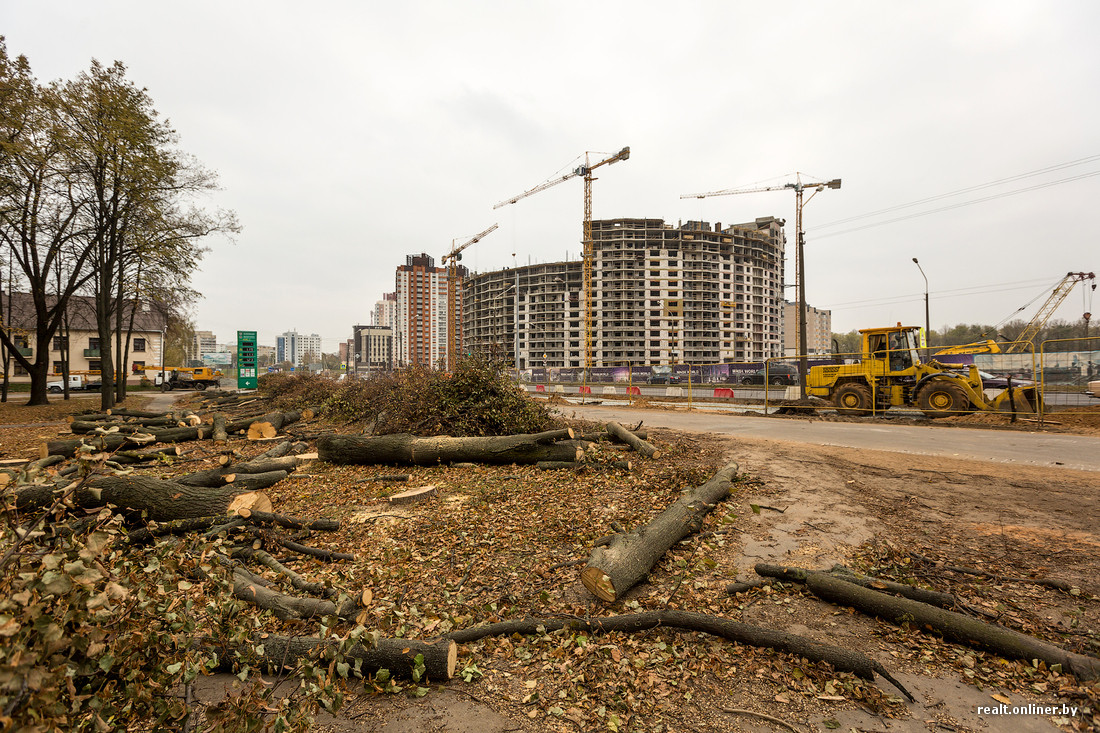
(138, 345)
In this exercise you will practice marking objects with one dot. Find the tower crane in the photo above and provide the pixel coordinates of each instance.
(454, 278)
(585, 171)
(800, 273)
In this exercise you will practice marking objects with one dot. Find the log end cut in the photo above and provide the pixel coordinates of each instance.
(414, 496)
(250, 501)
(598, 583)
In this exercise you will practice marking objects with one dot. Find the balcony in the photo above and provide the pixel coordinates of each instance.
(25, 350)
(91, 353)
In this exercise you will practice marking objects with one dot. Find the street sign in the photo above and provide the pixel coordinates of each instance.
(247, 377)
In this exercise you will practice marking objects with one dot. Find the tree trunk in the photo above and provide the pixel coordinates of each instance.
(221, 437)
(629, 556)
(410, 450)
(955, 626)
(799, 575)
(114, 441)
(396, 655)
(161, 500)
(622, 434)
(842, 659)
(217, 476)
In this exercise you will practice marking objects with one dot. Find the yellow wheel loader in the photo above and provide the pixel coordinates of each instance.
(891, 374)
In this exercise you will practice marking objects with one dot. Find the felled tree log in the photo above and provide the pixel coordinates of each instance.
(955, 626)
(135, 413)
(220, 475)
(606, 437)
(255, 481)
(251, 517)
(410, 450)
(270, 424)
(842, 659)
(396, 655)
(628, 557)
(220, 434)
(114, 441)
(80, 427)
(160, 500)
(799, 575)
(145, 456)
(622, 434)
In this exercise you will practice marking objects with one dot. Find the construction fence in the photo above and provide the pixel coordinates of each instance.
(1059, 370)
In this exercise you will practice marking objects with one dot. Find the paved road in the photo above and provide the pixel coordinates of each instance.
(1079, 452)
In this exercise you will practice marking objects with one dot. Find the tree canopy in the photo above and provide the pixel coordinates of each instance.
(96, 197)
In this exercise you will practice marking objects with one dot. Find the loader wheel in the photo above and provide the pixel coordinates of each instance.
(853, 399)
(942, 398)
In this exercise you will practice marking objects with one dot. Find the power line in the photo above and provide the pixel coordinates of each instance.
(958, 192)
(952, 293)
(960, 205)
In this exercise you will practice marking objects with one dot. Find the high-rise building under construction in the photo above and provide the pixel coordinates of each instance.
(662, 294)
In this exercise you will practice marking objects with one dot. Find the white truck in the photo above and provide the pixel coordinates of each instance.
(1094, 389)
(77, 383)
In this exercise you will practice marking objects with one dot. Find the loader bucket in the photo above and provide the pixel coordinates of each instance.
(1025, 399)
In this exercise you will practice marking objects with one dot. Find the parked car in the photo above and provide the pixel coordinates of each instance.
(778, 373)
(992, 381)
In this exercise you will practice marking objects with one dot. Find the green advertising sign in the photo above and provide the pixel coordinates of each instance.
(247, 364)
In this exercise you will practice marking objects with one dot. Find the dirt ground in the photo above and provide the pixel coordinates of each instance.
(503, 543)
(867, 510)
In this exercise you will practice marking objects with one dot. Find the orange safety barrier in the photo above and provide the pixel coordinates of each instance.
(637, 391)
(585, 389)
(723, 392)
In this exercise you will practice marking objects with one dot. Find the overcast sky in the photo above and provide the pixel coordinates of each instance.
(348, 135)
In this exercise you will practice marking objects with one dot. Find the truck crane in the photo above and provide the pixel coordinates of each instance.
(798, 187)
(454, 277)
(181, 377)
(1031, 330)
(586, 172)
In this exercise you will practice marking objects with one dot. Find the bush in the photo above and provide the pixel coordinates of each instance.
(478, 398)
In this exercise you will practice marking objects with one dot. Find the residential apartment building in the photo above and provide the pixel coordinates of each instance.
(295, 347)
(81, 339)
(384, 310)
(420, 312)
(373, 350)
(819, 330)
(662, 294)
(202, 343)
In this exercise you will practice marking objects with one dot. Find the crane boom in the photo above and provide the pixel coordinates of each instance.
(581, 170)
(454, 276)
(1047, 309)
(586, 237)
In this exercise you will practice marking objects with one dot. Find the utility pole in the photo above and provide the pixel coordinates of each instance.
(800, 241)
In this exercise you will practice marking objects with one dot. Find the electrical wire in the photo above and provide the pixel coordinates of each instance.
(960, 205)
(958, 192)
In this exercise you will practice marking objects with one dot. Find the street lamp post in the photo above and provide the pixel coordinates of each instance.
(927, 322)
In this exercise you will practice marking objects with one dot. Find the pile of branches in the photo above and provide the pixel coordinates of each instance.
(477, 398)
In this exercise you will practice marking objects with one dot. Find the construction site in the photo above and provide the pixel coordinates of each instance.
(690, 293)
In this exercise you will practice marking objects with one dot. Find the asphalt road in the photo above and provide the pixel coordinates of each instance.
(1080, 452)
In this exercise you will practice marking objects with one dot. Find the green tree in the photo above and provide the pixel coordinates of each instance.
(41, 222)
(137, 189)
